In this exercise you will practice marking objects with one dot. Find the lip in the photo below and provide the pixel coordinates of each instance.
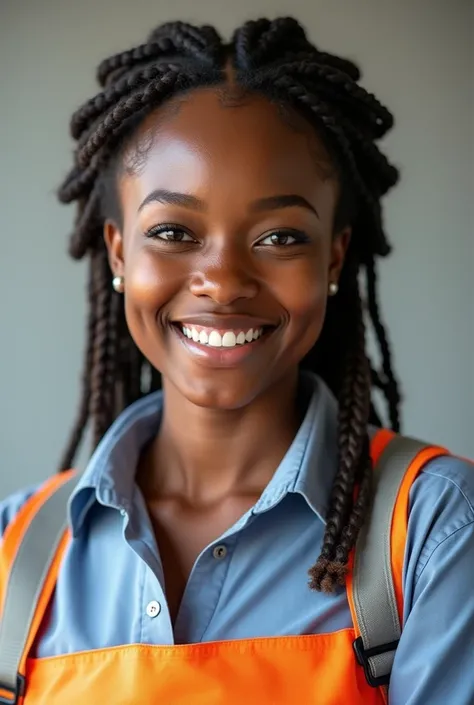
(221, 322)
(220, 357)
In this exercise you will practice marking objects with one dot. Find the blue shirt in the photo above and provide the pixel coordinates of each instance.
(110, 589)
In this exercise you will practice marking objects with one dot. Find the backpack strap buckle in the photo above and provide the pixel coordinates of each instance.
(15, 694)
(364, 655)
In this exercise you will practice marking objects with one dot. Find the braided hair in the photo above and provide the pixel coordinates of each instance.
(273, 58)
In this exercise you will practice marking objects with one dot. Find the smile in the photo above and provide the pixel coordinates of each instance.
(221, 338)
(223, 347)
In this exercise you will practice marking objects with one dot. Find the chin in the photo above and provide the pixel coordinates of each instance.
(215, 392)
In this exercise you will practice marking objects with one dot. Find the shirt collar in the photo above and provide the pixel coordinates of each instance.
(109, 477)
(308, 467)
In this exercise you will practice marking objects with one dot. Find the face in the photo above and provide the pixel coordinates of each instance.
(226, 246)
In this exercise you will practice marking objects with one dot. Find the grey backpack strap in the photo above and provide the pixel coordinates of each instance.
(28, 574)
(373, 590)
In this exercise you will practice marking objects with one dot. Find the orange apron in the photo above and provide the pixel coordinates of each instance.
(318, 669)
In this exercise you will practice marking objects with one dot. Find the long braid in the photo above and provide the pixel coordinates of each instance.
(100, 402)
(112, 371)
(354, 409)
(80, 424)
(389, 382)
(273, 58)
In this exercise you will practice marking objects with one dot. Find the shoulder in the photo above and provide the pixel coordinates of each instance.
(10, 506)
(434, 655)
(445, 483)
(441, 514)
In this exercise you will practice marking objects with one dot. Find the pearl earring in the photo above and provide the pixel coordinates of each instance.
(118, 284)
(333, 288)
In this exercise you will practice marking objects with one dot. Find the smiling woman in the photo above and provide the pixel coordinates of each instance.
(249, 235)
(229, 201)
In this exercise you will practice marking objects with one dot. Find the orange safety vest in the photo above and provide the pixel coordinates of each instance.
(319, 669)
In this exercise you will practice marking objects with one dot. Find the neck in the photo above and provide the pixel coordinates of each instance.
(204, 454)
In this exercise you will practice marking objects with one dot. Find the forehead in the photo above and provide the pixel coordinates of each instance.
(213, 137)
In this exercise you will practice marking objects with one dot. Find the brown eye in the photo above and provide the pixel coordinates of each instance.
(279, 239)
(283, 238)
(169, 233)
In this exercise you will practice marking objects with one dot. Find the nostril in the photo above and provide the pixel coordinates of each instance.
(224, 286)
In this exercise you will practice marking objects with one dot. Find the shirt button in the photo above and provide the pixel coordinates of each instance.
(219, 552)
(153, 609)
(123, 512)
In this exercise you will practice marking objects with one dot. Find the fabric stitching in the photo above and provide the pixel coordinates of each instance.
(432, 472)
(446, 538)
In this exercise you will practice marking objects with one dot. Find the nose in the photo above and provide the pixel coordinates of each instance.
(225, 278)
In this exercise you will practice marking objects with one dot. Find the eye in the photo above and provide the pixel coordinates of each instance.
(169, 233)
(283, 238)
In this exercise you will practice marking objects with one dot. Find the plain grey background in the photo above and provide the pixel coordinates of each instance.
(416, 56)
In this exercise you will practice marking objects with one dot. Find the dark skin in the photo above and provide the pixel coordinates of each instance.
(233, 260)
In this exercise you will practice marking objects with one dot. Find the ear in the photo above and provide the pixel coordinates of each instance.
(339, 246)
(114, 242)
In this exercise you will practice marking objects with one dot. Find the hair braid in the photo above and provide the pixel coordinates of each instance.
(342, 90)
(88, 223)
(171, 38)
(78, 183)
(112, 358)
(129, 59)
(354, 410)
(115, 120)
(80, 423)
(108, 98)
(257, 42)
(201, 44)
(100, 402)
(389, 382)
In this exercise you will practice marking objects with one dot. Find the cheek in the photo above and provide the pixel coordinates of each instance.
(304, 296)
(304, 293)
(148, 281)
(151, 283)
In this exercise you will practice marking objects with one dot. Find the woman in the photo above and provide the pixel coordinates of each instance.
(229, 197)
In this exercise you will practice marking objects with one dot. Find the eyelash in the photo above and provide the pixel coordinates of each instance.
(156, 230)
(298, 236)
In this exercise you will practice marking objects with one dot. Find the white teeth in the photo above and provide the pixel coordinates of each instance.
(229, 340)
(217, 340)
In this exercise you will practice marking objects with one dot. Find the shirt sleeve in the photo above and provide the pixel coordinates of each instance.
(434, 659)
(10, 506)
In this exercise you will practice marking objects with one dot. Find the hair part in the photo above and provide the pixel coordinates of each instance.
(274, 59)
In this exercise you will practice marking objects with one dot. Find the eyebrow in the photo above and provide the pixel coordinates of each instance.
(283, 201)
(172, 198)
(185, 200)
